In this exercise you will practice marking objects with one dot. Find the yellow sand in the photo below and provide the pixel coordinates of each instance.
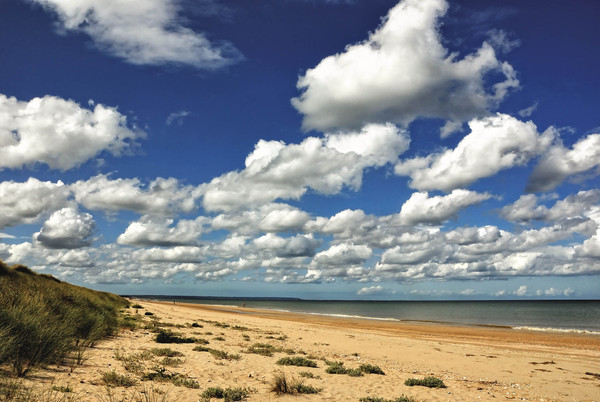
(474, 363)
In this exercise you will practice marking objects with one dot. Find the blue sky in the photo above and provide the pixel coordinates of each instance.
(308, 148)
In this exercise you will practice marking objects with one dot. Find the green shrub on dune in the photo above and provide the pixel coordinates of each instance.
(42, 319)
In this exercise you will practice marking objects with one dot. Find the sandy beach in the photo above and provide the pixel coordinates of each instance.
(475, 363)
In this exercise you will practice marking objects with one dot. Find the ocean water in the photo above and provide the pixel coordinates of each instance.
(578, 316)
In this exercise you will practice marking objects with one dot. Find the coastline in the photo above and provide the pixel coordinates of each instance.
(476, 363)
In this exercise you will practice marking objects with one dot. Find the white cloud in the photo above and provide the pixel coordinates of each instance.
(276, 170)
(420, 208)
(59, 133)
(142, 32)
(473, 235)
(401, 72)
(27, 202)
(494, 143)
(177, 117)
(559, 163)
(154, 231)
(522, 291)
(160, 197)
(528, 111)
(342, 255)
(272, 217)
(371, 290)
(296, 246)
(526, 208)
(67, 229)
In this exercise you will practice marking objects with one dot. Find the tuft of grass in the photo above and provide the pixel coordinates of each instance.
(196, 325)
(401, 398)
(114, 379)
(161, 374)
(308, 374)
(336, 368)
(137, 306)
(148, 313)
(246, 337)
(371, 369)
(280, 384)
(217, 354)
(171, 361)
(185, 382)
(228, 394)
(61, 388)
(219, 338)
(167, 336)
(429, 382)
(296, 361)
(166, 352)
(263, 349)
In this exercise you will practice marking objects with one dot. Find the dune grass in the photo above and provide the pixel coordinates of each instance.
(296, 361)
(43, 320)
(280, 384)
(429, 382)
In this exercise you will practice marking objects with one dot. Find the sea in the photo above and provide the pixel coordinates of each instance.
(569, 316)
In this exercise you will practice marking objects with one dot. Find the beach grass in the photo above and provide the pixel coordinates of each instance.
(296, 361)
(429, 382)
(43, 320)
(281, 384)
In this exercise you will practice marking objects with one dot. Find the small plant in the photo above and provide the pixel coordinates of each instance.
(185, 382)
(167, 352)
(335, 368)
(401, 398)
(429, 382)
(114, 379)
(246, 337)
(137, 306)
(370, 369)
(296, 361)
(166, 336)
(219, 338)
(228, 394)
(148, 313)
(217, 354)
(196, 325)
(240, 328)
(263, 349)
(171, 361)
(308, 374)
(282, 385)
(62, 389)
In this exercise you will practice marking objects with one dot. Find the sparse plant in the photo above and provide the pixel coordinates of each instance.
(429, 382)
(114, 379)
(263, 349)
(166, 352)
(166, 336)
(228, 394)
(219, 338)
(296, 361)
(280, 384)
(61, 388)
(371, 369)
(217, 354)
(196, 325)
(171, 361)
(401, 398)
(137, 306)
(308, 374)
(246, 337)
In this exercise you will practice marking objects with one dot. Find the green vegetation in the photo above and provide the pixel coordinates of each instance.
(167, 336)
(137, 306)
(114, 379)
(296, 361)
(263, 349)
(166, 352)
(338, 368)
(308, 374)
(370, 369)
(62, 389)
(161, 374)
(401, 398)
(430, 382)
(43, 320)
(282, 385)
(217, 354)
(228, 394)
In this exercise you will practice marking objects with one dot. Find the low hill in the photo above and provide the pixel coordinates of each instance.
(43, 319)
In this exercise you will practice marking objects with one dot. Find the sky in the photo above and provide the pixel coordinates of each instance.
(321, 149)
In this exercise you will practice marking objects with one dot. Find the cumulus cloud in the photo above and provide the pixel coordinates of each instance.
(401, 72)
(272, 217)
(342, 255)
(371, 290)
(27, 202)
(420, 208)
(559, 163)
(160, 197)
(327, 165)
(527, 207)
(67, 228)
(296, 246)
(494, 143)
(59, 133)
(148, 32)
(154, 231)
(177, 117)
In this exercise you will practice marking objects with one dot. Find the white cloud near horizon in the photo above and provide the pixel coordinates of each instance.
(60, 133)
(153, 231)
(148, 32)
(401, 72)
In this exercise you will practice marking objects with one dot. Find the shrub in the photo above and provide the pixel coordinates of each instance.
(263, 349)
(401, 398)
(217, 354)
(370, 369)
(282, 385)
(186, 382)
(196, 325)
(336, 368)
(430, 382)
(166, 336)
(148, 313)
(171, 361)
(229, 394)
(137, 306)
(114, 379)
(62, 389)
(167, 352)
(307, 374)
(296, 361)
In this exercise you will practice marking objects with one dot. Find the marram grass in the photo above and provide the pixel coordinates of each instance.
(43, 320)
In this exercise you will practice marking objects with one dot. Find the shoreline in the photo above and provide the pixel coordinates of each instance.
(424, 329)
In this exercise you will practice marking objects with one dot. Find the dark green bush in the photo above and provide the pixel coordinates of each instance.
(296, 361)
(370, 369)
(166, 336)
(430, 382)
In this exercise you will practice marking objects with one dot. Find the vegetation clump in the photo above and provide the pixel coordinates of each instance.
(228, 394)
(166, 352)
(217, 354)
(296, 361)
(114, 379)
(401, 398)
(43, 320)
(161, 374)
(282, 385)
(166, 336)
(429, 382)
(263, 349)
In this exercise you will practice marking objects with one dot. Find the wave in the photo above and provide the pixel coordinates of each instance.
(559, 330)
